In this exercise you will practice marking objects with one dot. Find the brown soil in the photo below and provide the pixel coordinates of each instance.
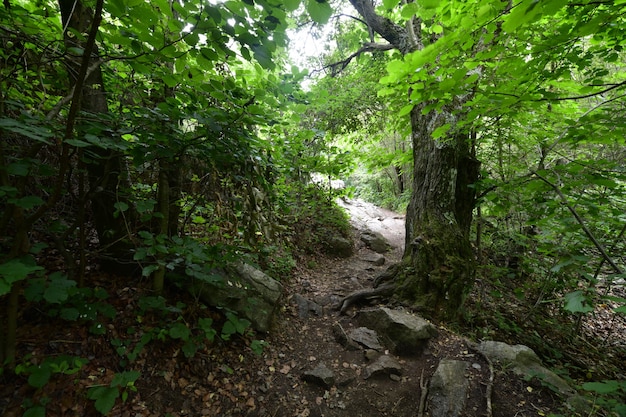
(228, 379)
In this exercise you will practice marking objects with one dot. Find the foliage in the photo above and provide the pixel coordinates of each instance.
(106, 396)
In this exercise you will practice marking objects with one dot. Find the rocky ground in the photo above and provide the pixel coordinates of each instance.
(316, 361)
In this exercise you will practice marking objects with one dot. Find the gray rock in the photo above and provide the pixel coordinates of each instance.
(341, 336)
(375, 241)
(244, 289)
(339, 246)
(365, 337)
(375, 259)
(306, 306)
(524, 361)
(320, 375)
(448, 389)
(384, 365)
(407, 333)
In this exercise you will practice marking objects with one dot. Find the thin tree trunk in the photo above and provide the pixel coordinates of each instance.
(106, 168)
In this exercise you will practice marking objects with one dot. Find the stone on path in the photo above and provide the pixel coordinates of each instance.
(524, 361)
(407, 333)
(375, 259)
(368, 338)
(448, 389)
(375, 241)
(339, 246)
(320, 375)
(306, 306)
(384, 365)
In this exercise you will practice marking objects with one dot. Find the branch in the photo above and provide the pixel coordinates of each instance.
(393, 33)
(606, 90)
(580, 221)
(337, 67)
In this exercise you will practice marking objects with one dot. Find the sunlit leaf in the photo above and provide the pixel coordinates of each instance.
(320, 11)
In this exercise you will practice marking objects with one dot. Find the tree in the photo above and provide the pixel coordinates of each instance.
(469, 71)
(438, 266)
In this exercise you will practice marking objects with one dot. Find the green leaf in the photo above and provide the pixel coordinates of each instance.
(36, 411)
(409, 10)
(28, 202)
(121, 206)
(13, 271)
(605, 387)
(31, 131)
(40, 376)
(320, 11)
(390, 4)
(58, 288)
(576, 302)
(77, 143)
(179, 331)
(125, 379)
(189, 349)
(406, 110)
(105, 398)
(291, 5)
(441, 131)
(206, 324)
(20, 169)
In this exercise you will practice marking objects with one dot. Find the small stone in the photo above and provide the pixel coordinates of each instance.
(370, 354)
(320, 375)
(366, 337)
(476, 366)
(384, 365)
(375, 259)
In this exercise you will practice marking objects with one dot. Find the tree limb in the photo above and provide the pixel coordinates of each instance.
(580, 221)
(337, 67)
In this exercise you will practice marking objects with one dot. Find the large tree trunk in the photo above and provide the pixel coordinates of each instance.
(438, 264)
(438, 258)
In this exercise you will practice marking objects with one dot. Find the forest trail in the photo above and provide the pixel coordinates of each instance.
(307, 371)
(304, 370)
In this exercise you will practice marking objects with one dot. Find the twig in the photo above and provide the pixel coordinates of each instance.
(423, 395)
(489, 387)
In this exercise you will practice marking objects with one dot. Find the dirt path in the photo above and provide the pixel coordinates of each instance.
(305, 340)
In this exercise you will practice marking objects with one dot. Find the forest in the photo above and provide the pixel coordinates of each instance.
(148, 149)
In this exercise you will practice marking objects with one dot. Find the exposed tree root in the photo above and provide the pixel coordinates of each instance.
(388, 275)
(385, 290)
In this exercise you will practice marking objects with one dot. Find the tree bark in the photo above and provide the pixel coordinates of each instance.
(438, 258)
(438, 265)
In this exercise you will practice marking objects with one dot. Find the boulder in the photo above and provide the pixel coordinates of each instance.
(244, 289)
(448, 389)
(375, 241)
(524, 361)
(407, 333)
(340, 247)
